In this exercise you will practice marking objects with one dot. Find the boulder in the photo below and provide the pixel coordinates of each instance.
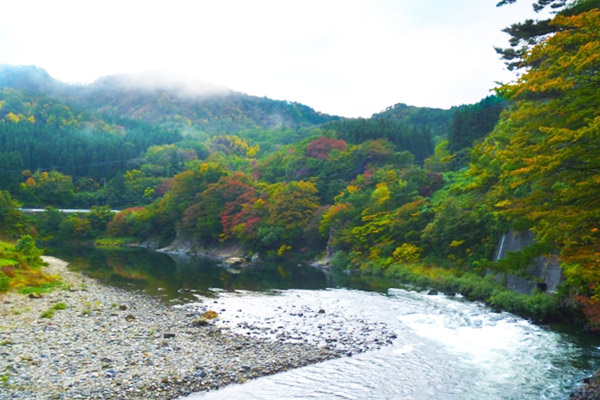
(201, 322)
(234, 261)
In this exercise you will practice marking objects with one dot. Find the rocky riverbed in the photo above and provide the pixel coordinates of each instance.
(589, 390)
(107, 343)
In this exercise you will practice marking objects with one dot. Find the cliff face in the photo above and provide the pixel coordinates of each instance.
(544, 272)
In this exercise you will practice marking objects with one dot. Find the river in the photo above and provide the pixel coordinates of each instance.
(444, 347)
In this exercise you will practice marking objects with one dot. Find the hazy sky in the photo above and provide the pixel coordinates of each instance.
(350, 58)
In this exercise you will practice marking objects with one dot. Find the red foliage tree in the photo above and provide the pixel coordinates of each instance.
(321, 147)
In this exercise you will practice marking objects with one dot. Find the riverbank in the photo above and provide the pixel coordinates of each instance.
(539, 307)
(88, 340)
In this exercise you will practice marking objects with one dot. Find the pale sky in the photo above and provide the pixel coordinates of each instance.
(342, 57)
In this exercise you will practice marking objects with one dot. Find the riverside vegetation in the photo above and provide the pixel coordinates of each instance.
(417, 194)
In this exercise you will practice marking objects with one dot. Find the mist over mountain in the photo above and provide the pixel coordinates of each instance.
(163, 99)
(159, 81)
(133, 111)
(30, 78)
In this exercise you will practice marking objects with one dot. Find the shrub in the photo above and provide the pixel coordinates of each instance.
(41, 288)
(538, 307)
(407, 253)
(59, 306)
(340, 261)
(474, 287)
(4, 283)
(26, 246)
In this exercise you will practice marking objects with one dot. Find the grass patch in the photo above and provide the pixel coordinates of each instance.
(8, 262)
(50, 312)
(44, 288)
(20, 266)
(114, 242)
(59, 306)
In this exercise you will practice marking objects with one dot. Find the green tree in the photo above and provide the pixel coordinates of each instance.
(473, 122)
(27, 248)
(74, 227)
(525, 35)
(48, 189)
(11, 219)
(541, 162)
(99, 217)
(48, 222)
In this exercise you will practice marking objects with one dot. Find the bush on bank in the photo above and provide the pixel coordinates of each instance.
(539, 307)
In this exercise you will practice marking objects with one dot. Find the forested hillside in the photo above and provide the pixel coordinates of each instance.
(166, 101)
(415, 193)
(118, 140)
(435, 120)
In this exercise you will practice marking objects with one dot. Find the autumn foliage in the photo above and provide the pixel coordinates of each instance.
(374, 190)
(541, 164)
(321, 147)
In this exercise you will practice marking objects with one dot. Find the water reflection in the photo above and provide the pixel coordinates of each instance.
(446, 348)
(180, 278)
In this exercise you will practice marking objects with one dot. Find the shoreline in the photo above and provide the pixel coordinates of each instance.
(109, 343)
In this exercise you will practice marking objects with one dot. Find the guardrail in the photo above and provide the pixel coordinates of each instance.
(63, 210)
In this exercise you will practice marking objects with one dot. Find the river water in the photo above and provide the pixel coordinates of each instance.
(444, 347)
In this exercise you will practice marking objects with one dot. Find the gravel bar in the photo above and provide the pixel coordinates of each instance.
(110, 343)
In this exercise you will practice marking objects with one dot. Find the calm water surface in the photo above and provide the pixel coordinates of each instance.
(446, 348)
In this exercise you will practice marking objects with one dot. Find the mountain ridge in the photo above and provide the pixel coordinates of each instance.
(167, 100)
(161, 98)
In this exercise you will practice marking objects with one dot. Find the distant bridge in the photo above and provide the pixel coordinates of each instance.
(63, 210)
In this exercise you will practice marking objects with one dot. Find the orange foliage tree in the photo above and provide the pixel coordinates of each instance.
(542, 162)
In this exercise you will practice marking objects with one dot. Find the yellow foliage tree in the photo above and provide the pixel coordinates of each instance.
(542, 162)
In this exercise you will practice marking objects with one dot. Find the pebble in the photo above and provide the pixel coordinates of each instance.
(116, 344)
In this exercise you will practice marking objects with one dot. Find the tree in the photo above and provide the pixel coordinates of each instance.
(49, 189)
(291, 206)
(473, 122)
(217, 210)
(26, 246)
(186, 185)
(75, 226)
(321, 147)
(99, 218)
(48, 222)
(525, 35)
(542, 161)
(11, 219)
